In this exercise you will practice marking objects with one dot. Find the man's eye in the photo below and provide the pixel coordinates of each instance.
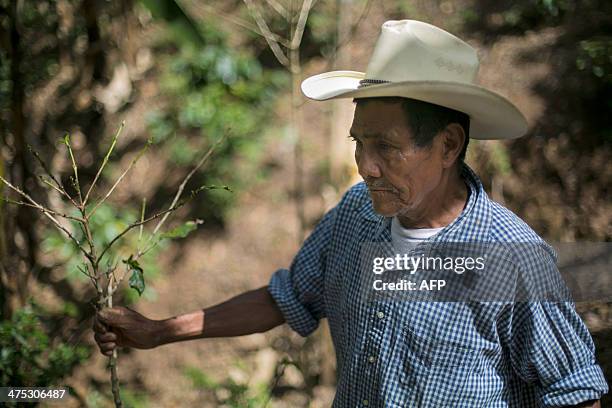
(353, 138)
(385, 146)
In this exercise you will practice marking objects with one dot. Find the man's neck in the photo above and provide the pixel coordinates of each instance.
(443, 205)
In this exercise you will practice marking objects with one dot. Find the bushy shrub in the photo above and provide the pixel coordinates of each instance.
(29, 358)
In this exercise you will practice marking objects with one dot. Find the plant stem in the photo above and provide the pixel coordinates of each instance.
(132, 163)
(267, 34)
(43, 209)
(177, 196)
(112, 363)
(47, 213)
(75, 168)
(104, 161)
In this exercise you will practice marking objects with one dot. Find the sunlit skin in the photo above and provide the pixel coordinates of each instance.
(421, 186)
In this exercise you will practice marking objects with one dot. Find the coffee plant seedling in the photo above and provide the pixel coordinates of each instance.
(106, 279)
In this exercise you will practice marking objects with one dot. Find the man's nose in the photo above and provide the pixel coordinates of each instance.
(367, 166)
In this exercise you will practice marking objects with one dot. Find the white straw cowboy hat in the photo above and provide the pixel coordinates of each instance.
(417, 60)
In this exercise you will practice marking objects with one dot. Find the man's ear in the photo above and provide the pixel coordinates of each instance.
(452, 139)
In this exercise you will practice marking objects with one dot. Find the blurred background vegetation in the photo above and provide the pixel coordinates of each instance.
(184, 73)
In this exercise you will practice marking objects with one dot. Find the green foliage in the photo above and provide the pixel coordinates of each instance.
(595, 57)
(136, 275)
(527, 14)
(211, 91)
(182, 230)
(106, 223)
(28, 357)
(228, 393)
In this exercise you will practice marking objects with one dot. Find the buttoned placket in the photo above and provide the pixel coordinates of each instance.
(377, 322)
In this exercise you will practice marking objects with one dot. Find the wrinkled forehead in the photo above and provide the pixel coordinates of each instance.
(376, 117)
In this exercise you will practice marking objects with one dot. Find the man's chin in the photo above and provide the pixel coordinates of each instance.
(384, 210)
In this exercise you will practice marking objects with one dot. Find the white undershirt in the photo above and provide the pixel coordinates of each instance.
(407, 238)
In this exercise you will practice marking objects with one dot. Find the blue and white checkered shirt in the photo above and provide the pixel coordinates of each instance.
(435, 354)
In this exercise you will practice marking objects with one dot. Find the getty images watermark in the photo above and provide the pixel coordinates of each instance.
(486, 272)
(412, 264)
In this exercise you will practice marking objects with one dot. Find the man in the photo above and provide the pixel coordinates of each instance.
(416, 106)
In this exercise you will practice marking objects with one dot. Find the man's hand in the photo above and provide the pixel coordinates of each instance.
(251, 312)
(123, 327)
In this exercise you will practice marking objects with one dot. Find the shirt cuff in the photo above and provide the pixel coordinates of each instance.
(296, 314)
(588, 383)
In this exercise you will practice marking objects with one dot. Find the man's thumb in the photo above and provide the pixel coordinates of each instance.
(109, 316)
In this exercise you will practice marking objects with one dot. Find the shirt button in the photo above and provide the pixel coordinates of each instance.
(366, 402)
(371, 359)
(380, 315)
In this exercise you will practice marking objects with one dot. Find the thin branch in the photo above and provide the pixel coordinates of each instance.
(61, 191)
(184, 183)
(193, 194)
(241, 23)
(52, 212)
(46, 211)
(118, 281)
(138, 156)
(139, 223)
(279, 8)
(90, 242)
(265, 30)
(74, 167)
(296, 40)
(59, 187)
(142, 213)
(91, 277)
(165, 213)
(106, 157)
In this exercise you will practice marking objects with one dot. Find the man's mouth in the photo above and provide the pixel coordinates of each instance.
(379, 188)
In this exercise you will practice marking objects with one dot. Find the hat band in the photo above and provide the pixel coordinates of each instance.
(367, 82)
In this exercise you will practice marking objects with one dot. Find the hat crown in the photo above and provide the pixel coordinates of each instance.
(409, 50)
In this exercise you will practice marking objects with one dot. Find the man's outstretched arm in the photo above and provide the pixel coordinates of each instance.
(254, 311)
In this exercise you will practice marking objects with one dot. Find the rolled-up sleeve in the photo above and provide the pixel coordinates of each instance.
(298, 291)
(552, 348)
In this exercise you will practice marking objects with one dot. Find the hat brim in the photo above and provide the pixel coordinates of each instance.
(491, 115)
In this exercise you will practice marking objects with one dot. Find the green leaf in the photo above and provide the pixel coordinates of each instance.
(137, 281)
(182, 230)
(137, 277)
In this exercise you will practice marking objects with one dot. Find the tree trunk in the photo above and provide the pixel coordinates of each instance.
(341, 161)
(20, 238)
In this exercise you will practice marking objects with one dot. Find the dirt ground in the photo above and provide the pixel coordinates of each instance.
(261, 237)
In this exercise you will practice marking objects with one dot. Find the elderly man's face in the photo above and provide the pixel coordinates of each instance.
(399, 175)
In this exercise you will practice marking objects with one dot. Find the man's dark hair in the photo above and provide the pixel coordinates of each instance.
(426, 120)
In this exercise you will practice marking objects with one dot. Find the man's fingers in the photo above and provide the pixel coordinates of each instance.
(107, 348)
(105, 337)
(98, 326)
